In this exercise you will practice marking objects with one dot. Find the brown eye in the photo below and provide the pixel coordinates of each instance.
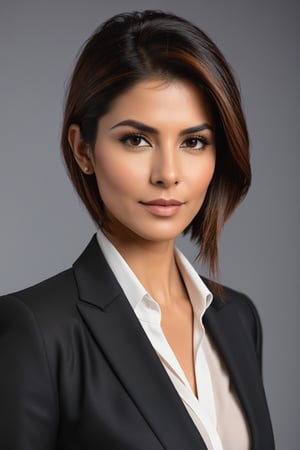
(194, 142)
(135, 140)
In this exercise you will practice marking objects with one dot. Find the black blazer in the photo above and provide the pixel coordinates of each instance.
(78, 372)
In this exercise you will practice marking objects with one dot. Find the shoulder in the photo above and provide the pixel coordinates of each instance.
(52, 285)
(39, 323)
(248, 314)
(48, 301)
(243, 307)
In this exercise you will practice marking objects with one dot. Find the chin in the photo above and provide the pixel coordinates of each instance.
(160, 235)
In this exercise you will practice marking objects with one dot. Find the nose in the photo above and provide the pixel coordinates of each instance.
(165, 167)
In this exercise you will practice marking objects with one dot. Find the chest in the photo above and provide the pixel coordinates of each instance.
(178, 328)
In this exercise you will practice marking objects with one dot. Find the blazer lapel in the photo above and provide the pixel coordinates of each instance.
(121, 338)
(223, 323)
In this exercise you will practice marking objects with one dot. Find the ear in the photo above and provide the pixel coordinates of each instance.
(81, 150)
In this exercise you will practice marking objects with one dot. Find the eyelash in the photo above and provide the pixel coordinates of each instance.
(127, 136)
(204, 141)
(200, 139)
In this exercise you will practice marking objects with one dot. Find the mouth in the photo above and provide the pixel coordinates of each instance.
(163, 207)
(163, 202)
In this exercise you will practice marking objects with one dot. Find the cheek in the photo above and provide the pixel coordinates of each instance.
(201, 178)
(119, 175)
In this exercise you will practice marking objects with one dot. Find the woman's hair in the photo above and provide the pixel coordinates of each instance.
(133, 47)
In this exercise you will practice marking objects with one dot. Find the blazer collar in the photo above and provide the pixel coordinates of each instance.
(113, 324)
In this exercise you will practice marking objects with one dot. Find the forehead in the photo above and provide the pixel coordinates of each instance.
(159, 100)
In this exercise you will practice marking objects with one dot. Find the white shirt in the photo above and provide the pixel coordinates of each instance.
(202, 409)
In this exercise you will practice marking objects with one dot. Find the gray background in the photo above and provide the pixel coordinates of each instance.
(43, 225)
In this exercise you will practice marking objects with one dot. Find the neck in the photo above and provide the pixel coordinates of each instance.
(154, 265)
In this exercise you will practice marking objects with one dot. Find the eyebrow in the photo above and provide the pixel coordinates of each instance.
(147, 129)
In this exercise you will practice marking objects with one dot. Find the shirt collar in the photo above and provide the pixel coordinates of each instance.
(135, 292)
(130, 284)
(199, 294)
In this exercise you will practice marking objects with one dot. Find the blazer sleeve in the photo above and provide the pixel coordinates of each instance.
(28, 405)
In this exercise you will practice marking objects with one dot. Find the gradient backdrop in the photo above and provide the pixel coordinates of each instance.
(43, 227)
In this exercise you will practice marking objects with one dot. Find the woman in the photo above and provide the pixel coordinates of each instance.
(130, 348)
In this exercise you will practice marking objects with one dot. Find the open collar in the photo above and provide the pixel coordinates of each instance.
(112, 322)
(114, 326)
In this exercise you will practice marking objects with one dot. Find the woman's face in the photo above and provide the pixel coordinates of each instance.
(154, 158)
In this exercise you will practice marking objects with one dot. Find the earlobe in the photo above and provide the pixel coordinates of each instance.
(81, 150)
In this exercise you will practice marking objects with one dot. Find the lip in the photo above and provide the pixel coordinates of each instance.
(163, 202)
(163, 207)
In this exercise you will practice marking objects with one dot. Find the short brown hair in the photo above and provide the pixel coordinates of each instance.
(132, 47)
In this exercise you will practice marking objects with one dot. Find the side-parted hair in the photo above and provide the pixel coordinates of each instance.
(137, 46)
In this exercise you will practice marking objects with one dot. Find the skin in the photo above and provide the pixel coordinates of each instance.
(157, 158)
